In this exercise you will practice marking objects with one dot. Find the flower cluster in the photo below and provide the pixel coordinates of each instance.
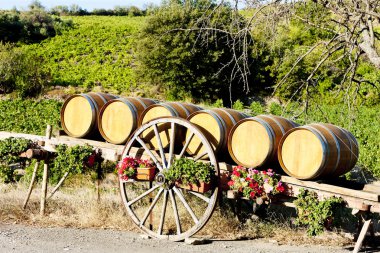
(127, 167)
(253, 183)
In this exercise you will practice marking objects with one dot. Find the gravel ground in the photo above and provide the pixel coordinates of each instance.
(22, 238)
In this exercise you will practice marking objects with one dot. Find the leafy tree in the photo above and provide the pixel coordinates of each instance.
(176, 53)
(11, 27)
(30, 26)
(134, 11)
(21, 71)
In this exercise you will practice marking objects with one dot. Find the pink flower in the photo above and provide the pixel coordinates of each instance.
(231, 183)
(236, 173)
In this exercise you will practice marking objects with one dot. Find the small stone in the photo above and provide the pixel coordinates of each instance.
(349, 236)
(145, 237)
(196, 241)
(273, 241)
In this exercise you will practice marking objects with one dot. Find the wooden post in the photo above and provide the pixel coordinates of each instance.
(31, 184)
(44, 188)
(45, 175)
(362, 235)
(59, 184)
(48, 132)
(99, 175)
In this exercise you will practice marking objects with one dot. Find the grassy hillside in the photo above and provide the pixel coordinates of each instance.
(96, 52)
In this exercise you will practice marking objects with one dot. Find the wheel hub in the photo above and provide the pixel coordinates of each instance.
(160, 178)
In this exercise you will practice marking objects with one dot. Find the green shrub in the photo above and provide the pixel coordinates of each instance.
(70, 159)
(218, 103)
(238, 105)
(22, 72)
(275, 109)
(256, 108)
(315, 213)
(10, 149)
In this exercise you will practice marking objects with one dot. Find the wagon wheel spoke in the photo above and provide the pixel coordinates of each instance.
(175, 210)
(151, 207)
(200, 156)
(152, 156)
(172, 142)
(184, 202)
(142, 195)
(203, 197)
(163, 158)
(186, 145)
(163, 212)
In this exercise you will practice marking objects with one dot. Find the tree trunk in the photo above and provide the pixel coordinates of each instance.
(369, 49)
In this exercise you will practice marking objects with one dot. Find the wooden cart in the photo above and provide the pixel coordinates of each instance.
(174, 213)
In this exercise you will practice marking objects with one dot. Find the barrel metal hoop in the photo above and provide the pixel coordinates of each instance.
(184, 108)
(229, 115)
(325, 150)
(222, 126)
(141, 102)
(170, 108)
(133, 109)
(271, 135)
(352, 140)
(336, 144)
(94, 109)
(100, 96)
(275, 121)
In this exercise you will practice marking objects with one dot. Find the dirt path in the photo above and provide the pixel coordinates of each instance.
(21, 238)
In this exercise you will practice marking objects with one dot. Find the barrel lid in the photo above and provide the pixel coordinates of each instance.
(212, 127)
(156, 111)
(117, 120)
(302, 153)
(77, 115)
(250, 142)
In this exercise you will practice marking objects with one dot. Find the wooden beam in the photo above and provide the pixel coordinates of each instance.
(333, 189)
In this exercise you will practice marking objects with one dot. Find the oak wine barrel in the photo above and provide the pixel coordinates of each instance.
(118, 118)
(318, 151)
(216, 125)
(174, 109)
(79, 113)
(253, 141)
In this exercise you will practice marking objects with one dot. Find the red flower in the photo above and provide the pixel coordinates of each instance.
(252, 194)
(230, 183)
(91, 160)
(280, 188)
(253, 184)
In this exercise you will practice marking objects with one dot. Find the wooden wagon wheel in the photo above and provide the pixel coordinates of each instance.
(147, 203)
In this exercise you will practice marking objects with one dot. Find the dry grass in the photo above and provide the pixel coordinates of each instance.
(76, 206)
